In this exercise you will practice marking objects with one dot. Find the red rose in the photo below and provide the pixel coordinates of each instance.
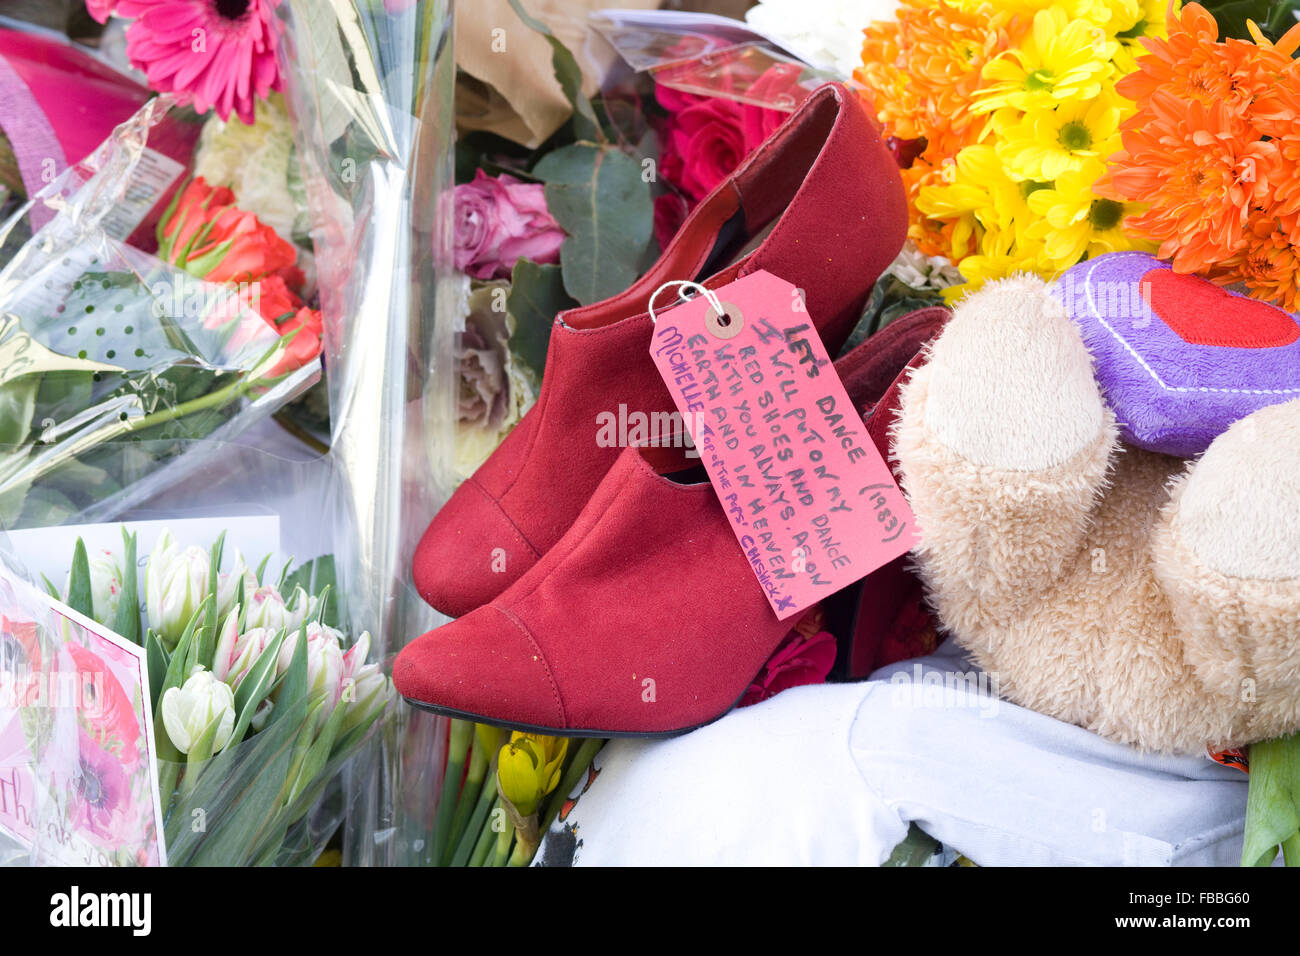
(706, 137)
(670, 213)
(705, 142)
(799, 660)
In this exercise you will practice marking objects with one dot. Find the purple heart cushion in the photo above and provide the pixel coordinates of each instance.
(1178, 358)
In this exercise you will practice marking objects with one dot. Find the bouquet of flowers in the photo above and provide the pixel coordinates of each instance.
(130, 325)
(259, 699)
(1003, 115)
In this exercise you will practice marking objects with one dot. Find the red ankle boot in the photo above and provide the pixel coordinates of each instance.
(832, 188)
(645, 618)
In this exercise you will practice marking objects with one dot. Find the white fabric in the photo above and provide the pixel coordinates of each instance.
(832, 775)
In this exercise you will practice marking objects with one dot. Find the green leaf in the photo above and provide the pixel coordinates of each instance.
(569, 75)
(294, 687)
(182, 655)
(50, 588)
(261, 569)
(240, 796)
(255, 686)
(319, 579)
(536, 296)
(1274, 17)
(207, 639)
(157, 660)
(128, 604)
(319, 752)
(597, 194)
(17, 407)
(1273, 802)
(79, 594)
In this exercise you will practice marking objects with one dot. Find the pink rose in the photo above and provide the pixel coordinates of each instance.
(500, 220)
(799, 660)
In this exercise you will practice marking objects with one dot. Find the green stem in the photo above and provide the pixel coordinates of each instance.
(502, 851)
(211, 400)
(522, 854)
(486, 839)
(469, 839)
(1291, 850)
(462, 731)
(167, 773)
(581, 761)
(466, 803)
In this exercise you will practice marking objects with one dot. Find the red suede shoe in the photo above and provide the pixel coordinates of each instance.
(645, 619)
(833, 189)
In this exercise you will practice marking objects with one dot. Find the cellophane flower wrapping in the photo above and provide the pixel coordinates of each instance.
(370, 86)
(112, 360)
(73, 771)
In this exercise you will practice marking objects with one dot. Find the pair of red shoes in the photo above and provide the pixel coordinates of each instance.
(603, 591)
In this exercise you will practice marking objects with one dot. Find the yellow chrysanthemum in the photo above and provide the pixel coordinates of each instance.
(1076, 222)
(1061, 59)
(1042, 144)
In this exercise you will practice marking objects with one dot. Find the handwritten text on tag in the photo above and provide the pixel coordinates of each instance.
(809, 497)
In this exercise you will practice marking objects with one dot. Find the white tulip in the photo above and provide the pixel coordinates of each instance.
(324, 659)
(106, 574)
(267, 608)
(236, 653)
(190, 710)
(175, 583)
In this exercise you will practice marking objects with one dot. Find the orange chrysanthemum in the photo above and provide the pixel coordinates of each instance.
(1268, 263)
(1214, 150)
(923, 70)
(921, 73)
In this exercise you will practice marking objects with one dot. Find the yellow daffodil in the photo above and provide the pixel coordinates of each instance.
(528, 768)
(1061, 59)
(1076, 222)
(1042, 144)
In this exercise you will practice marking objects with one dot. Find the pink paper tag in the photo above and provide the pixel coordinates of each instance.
(812, 502)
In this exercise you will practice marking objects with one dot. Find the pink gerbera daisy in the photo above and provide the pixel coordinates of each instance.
(219, 53)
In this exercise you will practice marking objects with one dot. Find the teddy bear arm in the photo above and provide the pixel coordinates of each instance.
(1004, 446)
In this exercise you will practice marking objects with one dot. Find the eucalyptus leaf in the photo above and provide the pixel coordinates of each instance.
(537, 296)
(597, 194)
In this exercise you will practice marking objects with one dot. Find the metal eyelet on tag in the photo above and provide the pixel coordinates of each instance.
(726, 325)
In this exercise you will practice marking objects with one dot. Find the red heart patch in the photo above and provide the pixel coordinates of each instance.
(1204, 314)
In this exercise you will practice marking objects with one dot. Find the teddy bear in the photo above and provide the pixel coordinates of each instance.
(1150, 598)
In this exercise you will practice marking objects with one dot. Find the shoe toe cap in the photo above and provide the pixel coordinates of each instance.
(485, 664)
(470, 553)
